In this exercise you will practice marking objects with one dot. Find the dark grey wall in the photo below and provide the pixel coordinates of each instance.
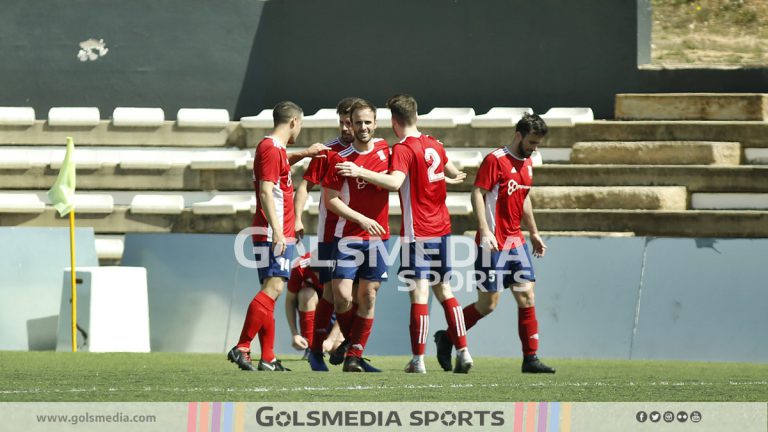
(245, 55)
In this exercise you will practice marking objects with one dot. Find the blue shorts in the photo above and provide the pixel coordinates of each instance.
(361, 259)
(270, 265)
(325, 251)
(499, 270)
(426, 259)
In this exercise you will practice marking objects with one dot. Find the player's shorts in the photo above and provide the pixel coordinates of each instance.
(325, 251)
(502, 269)
(361, 259)
(426, 259)
(270, 265)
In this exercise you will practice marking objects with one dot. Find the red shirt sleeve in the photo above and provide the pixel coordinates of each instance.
(317, 169)
(269, 162)
(488, 174)
(401, 160)
(332, 180)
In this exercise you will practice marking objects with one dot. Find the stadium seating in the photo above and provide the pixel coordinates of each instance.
(500, 117)
(138, 173)
(262, 121)
(568, 116)
(202, 118)
(138, 117)
(446, 117)
(70, 116)
(17, 116)
(324, 118)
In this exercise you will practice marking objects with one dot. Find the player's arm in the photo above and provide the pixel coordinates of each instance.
(453, 175)
(539, 248)
(299, 200)
(478, 205)
(334, 203)
(311, 151)
(390, 182)
(268, 204)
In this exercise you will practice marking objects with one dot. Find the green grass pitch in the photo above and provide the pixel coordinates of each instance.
(49, 376)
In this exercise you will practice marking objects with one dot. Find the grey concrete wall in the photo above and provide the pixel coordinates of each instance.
(32, 262)
(622, 298)
(247, 55)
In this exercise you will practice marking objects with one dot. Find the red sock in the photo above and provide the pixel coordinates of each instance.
(267, 340)
(348, 332)
(471, 316)
(455, 318)
(346, 321)
(528, 329)
(360, 332)
(419, 327)
(322, 322)
(261, 307)
(307, 325)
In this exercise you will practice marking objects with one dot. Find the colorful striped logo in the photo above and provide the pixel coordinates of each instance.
(542, 417)
(216, 417)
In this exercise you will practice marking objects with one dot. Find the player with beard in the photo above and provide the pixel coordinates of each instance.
(361, 231)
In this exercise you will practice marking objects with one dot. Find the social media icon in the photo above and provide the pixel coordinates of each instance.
(695, 416)
(655, 416)
(682, 416)
(641, 416)
(669, 416)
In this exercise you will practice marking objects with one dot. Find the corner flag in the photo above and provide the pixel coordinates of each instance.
(62, 194)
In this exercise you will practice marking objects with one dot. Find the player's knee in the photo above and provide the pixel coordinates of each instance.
(367, 297)
(442, 292)
(487, 304)
(524, 294)
(307, 298)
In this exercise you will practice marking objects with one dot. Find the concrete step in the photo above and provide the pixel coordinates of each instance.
(695, 178)
(692, 106)
(731, 201)
(751, 134)
(687, 223)
(104, 133)
(657, 153)
(602, 197)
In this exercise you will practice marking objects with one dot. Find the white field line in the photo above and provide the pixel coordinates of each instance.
(387, 387)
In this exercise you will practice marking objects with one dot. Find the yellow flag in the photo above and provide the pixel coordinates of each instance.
(62, 194)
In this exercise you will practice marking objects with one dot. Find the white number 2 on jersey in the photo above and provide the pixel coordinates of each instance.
(432, 173)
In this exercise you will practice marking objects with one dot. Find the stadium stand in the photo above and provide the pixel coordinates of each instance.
(138, 117)
(446, 117)
(17, 116)
(137, 173)
(568, 116)
(500, 117)
(323, 118)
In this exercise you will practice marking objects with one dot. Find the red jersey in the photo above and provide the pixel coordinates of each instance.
(271, 164)
(303, 276)
(316, 172)
(508, 180)
(361, 196)
(422, 196)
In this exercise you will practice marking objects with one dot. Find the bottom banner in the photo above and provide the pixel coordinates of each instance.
(416, 416)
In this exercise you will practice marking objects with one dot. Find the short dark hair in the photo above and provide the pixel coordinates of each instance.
(531, 123)
(404, 109)
(284, 111)
(345, 105)
(362, 104)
